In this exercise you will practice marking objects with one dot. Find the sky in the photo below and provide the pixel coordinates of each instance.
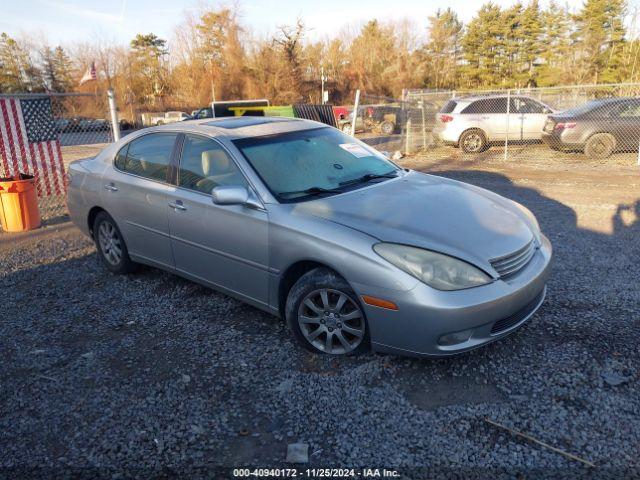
(68, 21)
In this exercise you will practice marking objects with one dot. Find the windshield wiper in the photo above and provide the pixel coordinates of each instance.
(368, 177)
(311, 191)
(321, 190)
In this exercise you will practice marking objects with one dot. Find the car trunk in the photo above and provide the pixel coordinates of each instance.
(554, 120)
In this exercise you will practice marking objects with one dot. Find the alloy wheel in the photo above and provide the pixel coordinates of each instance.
(331, 321)
(472, 142)
(110, 243)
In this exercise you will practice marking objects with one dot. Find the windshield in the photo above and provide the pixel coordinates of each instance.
(298, 164)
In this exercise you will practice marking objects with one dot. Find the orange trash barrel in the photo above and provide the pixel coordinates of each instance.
(19, 204)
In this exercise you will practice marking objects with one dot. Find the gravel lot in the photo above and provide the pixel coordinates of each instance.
(152, 374)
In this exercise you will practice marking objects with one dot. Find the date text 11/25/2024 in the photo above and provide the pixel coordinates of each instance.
(316, 473)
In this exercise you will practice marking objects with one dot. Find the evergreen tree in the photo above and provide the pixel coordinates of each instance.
(18, 74)
(556, 53)
(531, 47)
(599, 35)
(48, 69)
(483, 47)
(510, 47)
(148, 69)
(57, 71)
(63, 67)
(441, 54)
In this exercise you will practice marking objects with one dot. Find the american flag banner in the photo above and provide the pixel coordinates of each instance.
(29, 143)
(90, 74)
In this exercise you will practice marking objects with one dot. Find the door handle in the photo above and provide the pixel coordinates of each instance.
(177, 205)
(111, 187)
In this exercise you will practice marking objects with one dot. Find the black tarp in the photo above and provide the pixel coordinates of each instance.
(319, 113)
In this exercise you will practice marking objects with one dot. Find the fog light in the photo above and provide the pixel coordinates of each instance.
(455, 338)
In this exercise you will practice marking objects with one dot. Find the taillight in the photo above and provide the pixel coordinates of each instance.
(563, 125)
(446, 118)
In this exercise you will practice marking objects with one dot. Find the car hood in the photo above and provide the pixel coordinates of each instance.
(431, 212)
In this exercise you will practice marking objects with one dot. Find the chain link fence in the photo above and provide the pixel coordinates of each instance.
(581, 122)
(391, 124)
(599, 123)
(42, 133)
(588, 123)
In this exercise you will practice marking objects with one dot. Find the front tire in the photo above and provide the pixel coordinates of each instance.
(473, 141)
(111, 246)
(325, 316)
(600, 145)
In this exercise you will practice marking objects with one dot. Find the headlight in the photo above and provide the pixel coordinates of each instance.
(435, 269)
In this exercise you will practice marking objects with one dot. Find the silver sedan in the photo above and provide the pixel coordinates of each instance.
(305, 222)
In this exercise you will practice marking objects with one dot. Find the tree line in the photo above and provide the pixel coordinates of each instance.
(212, 54)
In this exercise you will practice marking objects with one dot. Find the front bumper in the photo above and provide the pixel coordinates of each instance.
(489, 312)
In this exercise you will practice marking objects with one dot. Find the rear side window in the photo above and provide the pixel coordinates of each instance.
(488, 105)
(121, 157)
(449, 107)
(148, 156)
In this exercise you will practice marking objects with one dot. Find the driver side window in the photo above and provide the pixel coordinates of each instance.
(204, 165)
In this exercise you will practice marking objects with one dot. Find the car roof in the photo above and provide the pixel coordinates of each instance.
(233, 128)
(473, 98)
(604, 101)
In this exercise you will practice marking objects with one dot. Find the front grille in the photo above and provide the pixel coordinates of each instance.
(511, 264)
(511, 320)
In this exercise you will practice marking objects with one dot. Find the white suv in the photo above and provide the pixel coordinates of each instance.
(472, 123)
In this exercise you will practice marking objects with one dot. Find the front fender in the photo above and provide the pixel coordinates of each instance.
(294, 238)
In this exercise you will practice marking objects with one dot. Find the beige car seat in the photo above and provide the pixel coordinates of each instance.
(144, 165)
(217, 169)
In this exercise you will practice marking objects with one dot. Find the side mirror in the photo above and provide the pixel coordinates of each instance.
(232, 195)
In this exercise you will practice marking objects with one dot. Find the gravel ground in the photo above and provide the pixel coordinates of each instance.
(154, 375)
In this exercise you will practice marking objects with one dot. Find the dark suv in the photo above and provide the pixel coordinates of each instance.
(597, 128)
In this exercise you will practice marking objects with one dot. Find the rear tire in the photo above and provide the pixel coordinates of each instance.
(325, 316)
(473, 141)
(600, 145)
(111, 246)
